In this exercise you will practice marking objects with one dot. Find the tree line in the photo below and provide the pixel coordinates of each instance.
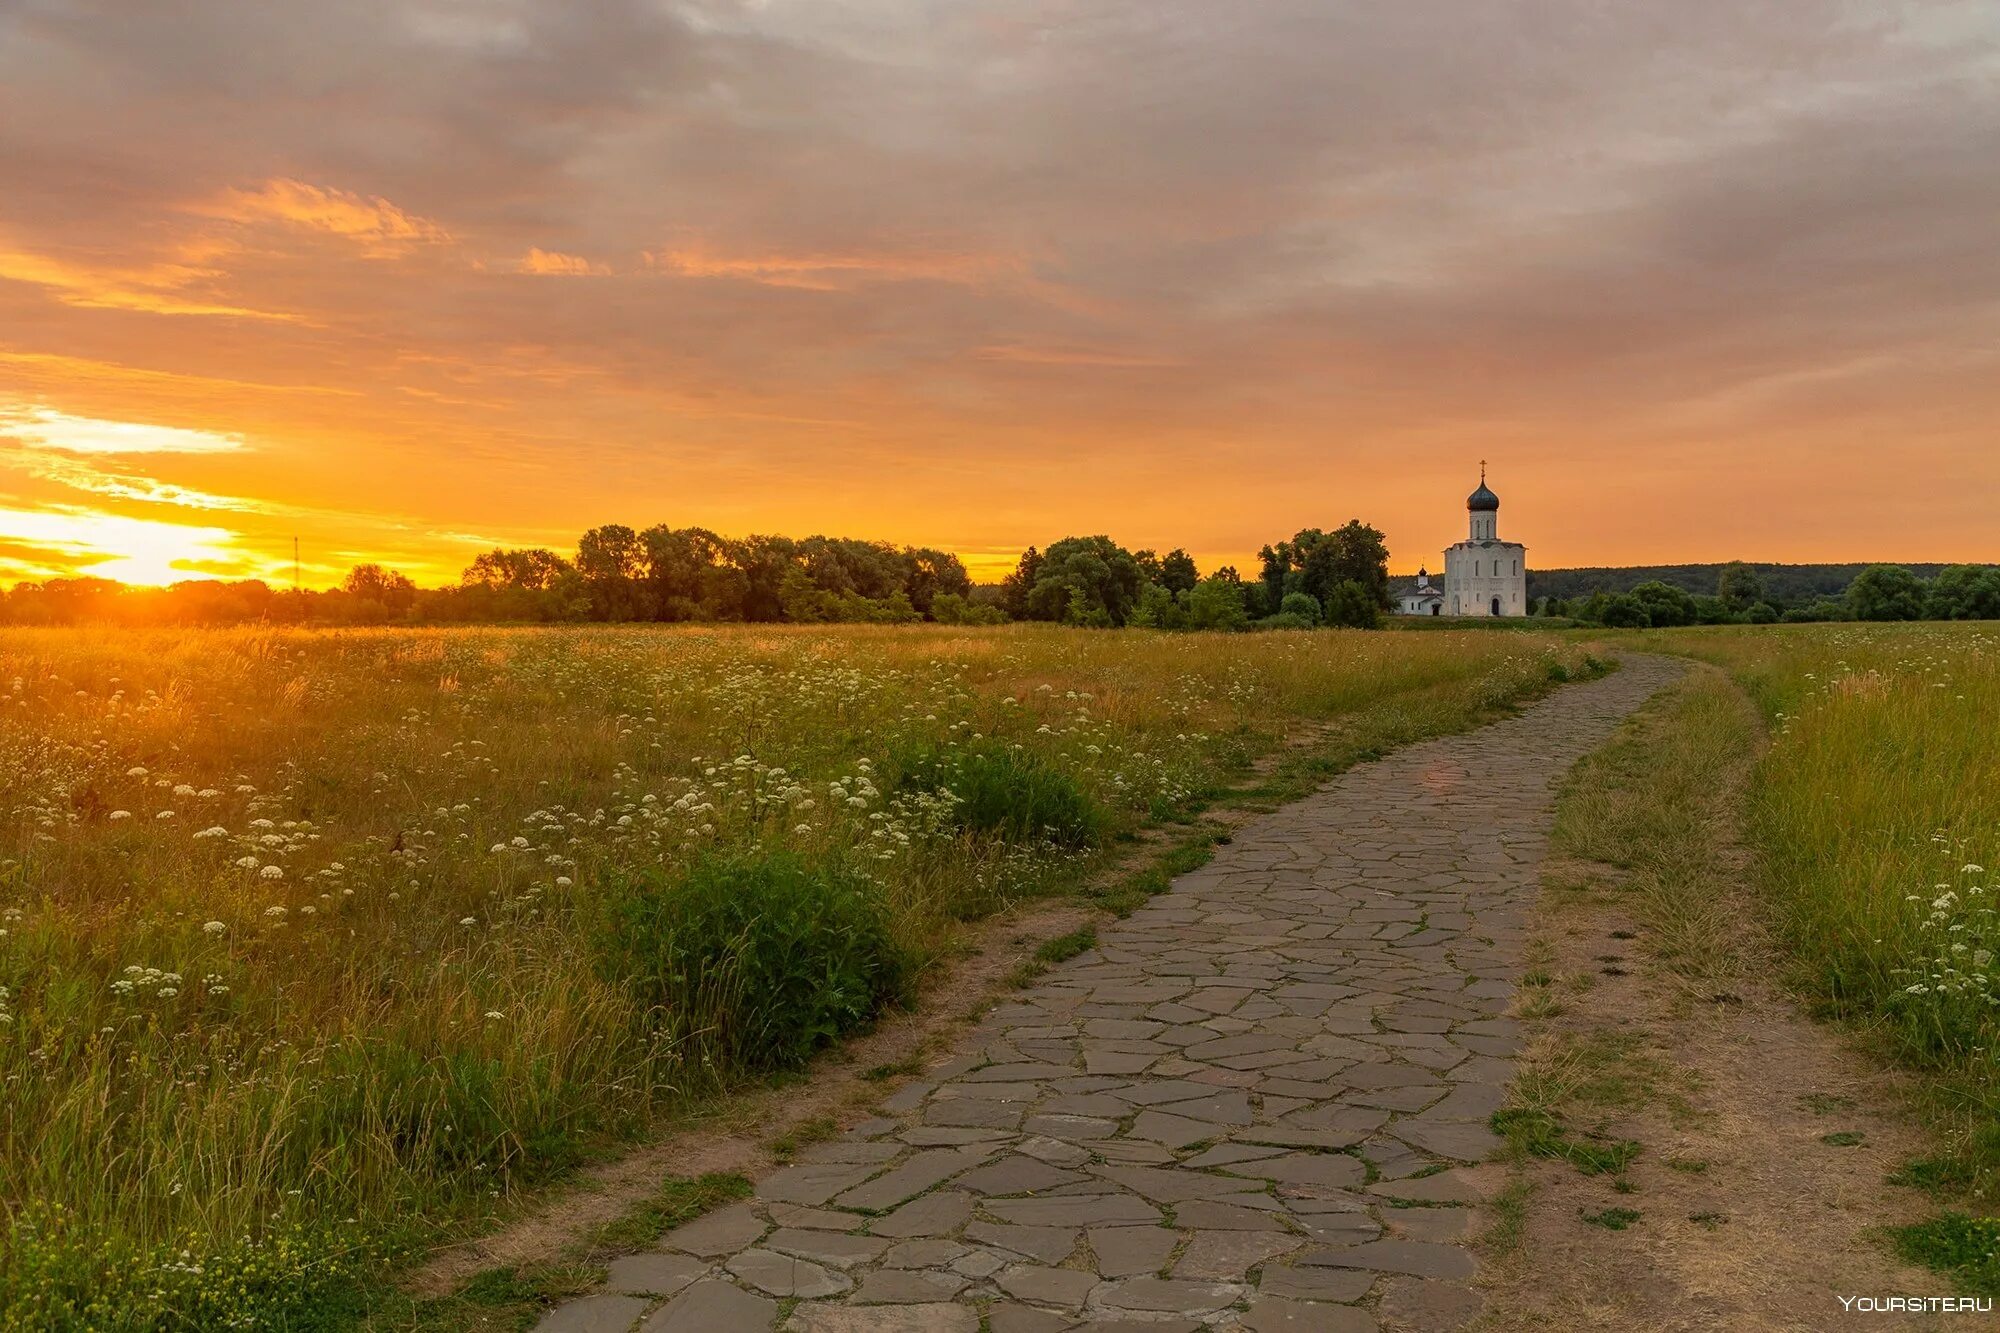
(1315, 578)
(1742, 596)
(1784, 584)
(663, 574)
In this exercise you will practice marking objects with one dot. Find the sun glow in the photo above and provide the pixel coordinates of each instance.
(131, 550)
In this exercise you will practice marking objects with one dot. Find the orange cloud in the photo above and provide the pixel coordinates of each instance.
(835, 271)
(375, 223)
(54, 369)
(81, 476)
(1073, 356)
(46, 428)
(553, 263)
(154, 288)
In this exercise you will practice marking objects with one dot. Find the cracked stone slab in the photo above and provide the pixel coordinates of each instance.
(593, 1314)
(713, 1306)
(1131, 1251)
(652, 1274)
(937, 1317)
(1168, 1295)
(1420, 1258)
(724, 1231)
(1278, 1314)
(783, 1275)
(1230, 1255)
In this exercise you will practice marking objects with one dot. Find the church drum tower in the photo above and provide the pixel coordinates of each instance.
(1484, 576)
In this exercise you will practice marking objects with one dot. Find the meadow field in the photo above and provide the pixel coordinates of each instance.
(317, 947)
(1876, 812)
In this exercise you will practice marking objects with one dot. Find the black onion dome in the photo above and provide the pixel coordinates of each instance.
(1482, 501)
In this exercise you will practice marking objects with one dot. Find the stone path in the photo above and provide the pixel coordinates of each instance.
(1260, 1103)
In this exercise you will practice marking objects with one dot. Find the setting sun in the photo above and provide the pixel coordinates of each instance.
(138, 551)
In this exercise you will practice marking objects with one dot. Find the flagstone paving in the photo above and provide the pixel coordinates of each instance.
(1260, 1103)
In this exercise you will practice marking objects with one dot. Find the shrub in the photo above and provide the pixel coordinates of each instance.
(1301, 604)
(757, 960)
(1624, 611)
(1350, 603)
(1007, 792)
(948, 608)
(1665, 604)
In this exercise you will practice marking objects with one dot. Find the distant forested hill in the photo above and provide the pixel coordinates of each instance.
(1786, 583)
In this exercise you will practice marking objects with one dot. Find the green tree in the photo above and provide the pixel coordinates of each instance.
(1622, 611)
(1275, 572)
(500, 584)
(1014, 589)
(1665, 604)
(1739, 586)
(1178, 574)
(725, 593)
(386, 588)
(804, 601)
(1886, 592)
(612, 562)
(763, 561)
(533, 570)
(1352, 553)
(1157, 609)
(1216, 604)
(933, 574)
(1085, 581)
(1964, 592)
(1351, 604)
(1710, 610)
(677, 564)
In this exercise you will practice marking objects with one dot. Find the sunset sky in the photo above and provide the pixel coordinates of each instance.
(411, 279)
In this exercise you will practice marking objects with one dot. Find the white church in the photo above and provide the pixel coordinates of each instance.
(1483, 576)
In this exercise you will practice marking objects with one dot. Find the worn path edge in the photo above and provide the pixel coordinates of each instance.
(1261, 1102)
